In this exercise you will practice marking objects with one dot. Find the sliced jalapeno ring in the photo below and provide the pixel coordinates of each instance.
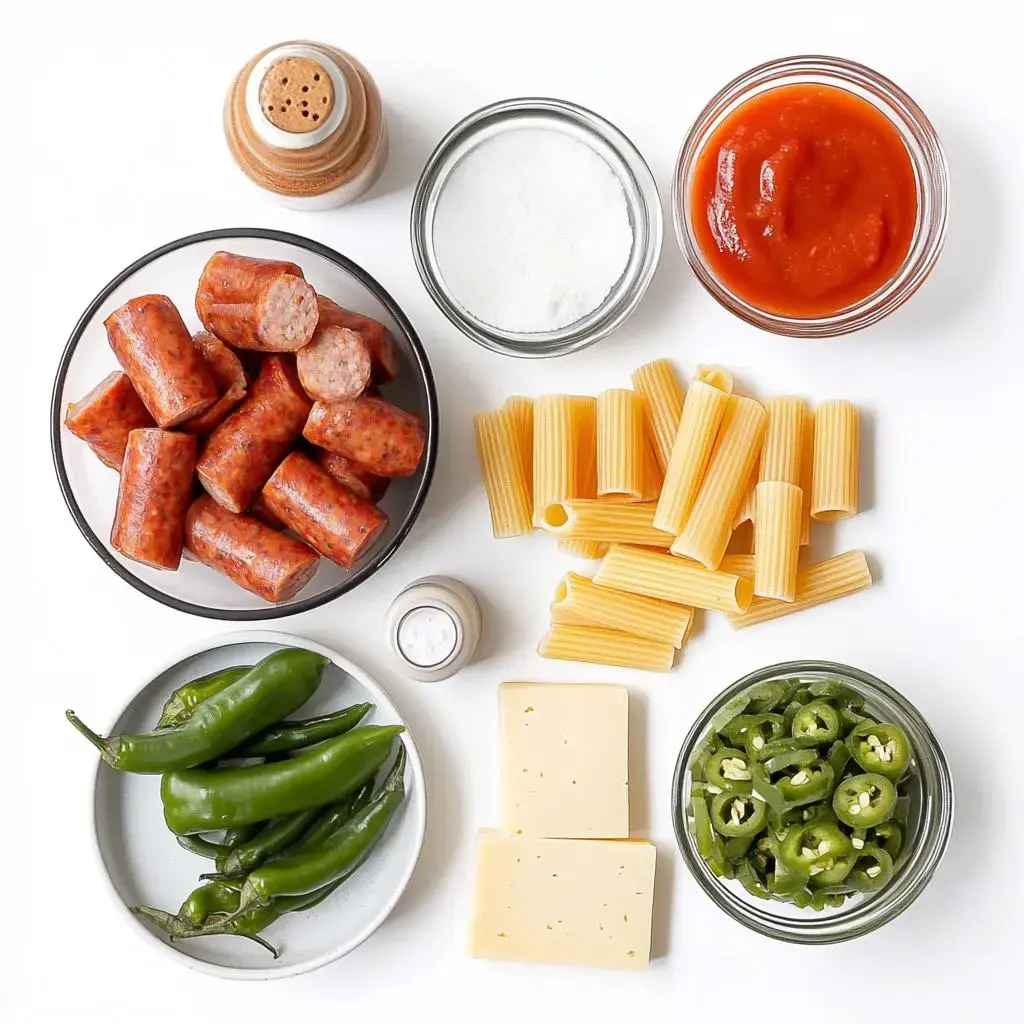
(735, 815)
(750, 880)
(764, 790)
(889, 837)
(863, 801)
(834, 873)
(737, 847)
(871, 870)
(810, 849)
(753, 731)
(880, 747)
(728, 770)
(807, 785)
(705, 748)
(838, 758)
(818, 720)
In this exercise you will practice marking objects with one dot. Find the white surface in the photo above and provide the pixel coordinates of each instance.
(141, 160)
(146, 866)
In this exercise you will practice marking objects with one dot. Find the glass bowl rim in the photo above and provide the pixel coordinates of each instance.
(359, 574)
(642, 184)
(929, 236)
(778, 927)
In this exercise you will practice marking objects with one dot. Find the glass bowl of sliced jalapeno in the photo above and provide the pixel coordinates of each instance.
(812, 802)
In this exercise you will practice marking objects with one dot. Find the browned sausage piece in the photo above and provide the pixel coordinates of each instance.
(335, 364)
(153, 497)
(259, 304)
(258, 510)
(375, 335)
(154, 348)
(257, 558)
(329, 517)
(356, 478)
(243, 451)
(229, 376)
(385, 440)
(104, 418)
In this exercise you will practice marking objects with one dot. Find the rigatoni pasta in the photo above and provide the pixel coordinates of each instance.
(584, 426)
(607, 521)
(706, 534)
(835, 482)
(703, 411)
(777, 543)
(667, 578)
(716, 376)
(653, 477)
(583, 548)
(617, 609)
(659, 385)
(508, 495)
(824, 581)
(521, 411)
(556, 439)
(806, 475)
(783, 441)
(597, 646)
(746, 509)
(620, 444)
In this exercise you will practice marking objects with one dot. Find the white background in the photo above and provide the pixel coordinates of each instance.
(118, 149)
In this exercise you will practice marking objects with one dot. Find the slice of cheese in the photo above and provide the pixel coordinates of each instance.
(563, 901)
(564, 760)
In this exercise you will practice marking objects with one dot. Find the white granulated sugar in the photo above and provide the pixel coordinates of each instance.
(532, 231)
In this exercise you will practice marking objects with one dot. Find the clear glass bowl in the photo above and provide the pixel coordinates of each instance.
(642, 202)
(928, 828)
(930, 171)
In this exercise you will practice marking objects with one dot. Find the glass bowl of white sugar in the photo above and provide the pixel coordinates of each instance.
(536, 227)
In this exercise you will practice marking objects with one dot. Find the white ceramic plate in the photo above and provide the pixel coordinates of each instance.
(146, 865)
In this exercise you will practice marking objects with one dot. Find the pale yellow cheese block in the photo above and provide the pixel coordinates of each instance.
(563, 901)
(564, 760)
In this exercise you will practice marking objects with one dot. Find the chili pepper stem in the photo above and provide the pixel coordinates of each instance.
(176, 929)
(161, 918)
(96, 740)
(199, 933)
(219, 876)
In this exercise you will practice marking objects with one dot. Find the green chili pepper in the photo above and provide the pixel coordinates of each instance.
(880, 747)
(889, 837)
(813, 848)
(277, 836)
(242, 834)
(871, 870)
(862, 801)
(199, 800)
(286, 736)
(831, 689)
(179, 706)
(818, 721)
(762, 787)
(278, 685)
(838, 758)
(337, 814)
(203, 847)
(807, 784)
(728, 769)
(310, 869)
(220, 897)
(736, 815)
(790, 759)
(705, 748)
(737, 848)
(729, 711)
(763, 697)
(748, 878)
(833, 874)
(784, 746)
(744, 729)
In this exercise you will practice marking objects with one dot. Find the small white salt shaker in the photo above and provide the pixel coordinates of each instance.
(433, 627)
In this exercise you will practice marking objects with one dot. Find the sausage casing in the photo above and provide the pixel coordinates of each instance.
(244, 450)
(250, 303)
(356, 478)
(375, 335)
(329, 517)
(154, 348)
(382, 438)
(229, 376)
(153, 496)
(104, 418)
(251, 554)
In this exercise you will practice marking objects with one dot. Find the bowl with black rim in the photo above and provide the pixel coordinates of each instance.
(90, 488)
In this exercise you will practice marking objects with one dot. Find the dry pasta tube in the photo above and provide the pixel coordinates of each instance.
(597, 646)
(806, 475)
(835, 479)
(668, 578)
(709, 526)
(703, 411)
(616, 609)
(740, 543)
(739, 565)
(582, 548)
(607, 521)
(566, 618)
(554, 451)
(777, 525)
(824, 581)
(783, 441)
(521, 411)
(746, 511)
(653, 476)
(620, 444)
(508, 496)
(716, 376)
(659, 385)
(584, 425)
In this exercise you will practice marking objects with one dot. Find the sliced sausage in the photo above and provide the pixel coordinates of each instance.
(375, 335)
(265, 305)
(356, 478)
(153, 497)
(335, 364)
(258, 510)
(154, 348)
(105, 417)
(229, 376)
(257, 558)
(328, 516)
(243, 451)
(385, 440)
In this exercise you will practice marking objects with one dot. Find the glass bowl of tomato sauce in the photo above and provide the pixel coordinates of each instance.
(810, 196)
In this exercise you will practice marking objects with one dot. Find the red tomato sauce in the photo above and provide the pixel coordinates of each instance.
(804, 200)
